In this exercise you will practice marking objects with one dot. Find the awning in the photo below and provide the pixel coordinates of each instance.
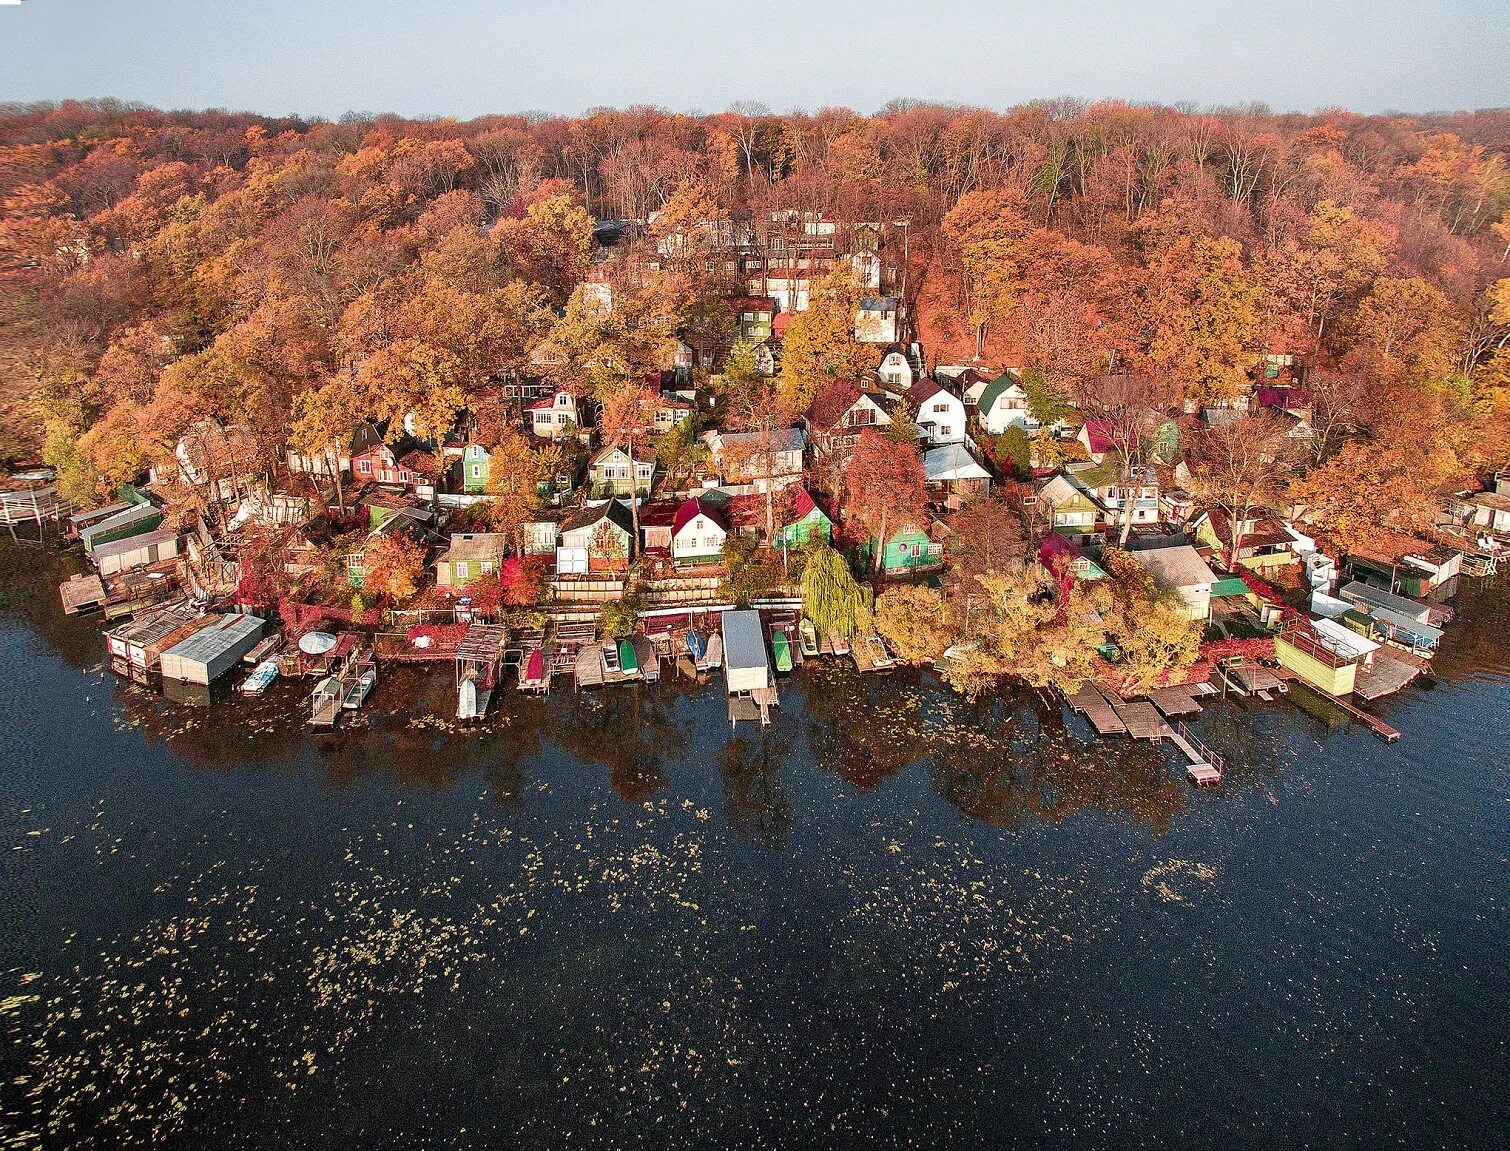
(1233, 586)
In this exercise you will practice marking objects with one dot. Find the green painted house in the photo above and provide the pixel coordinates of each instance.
(911, 549)
(805, 522)
(474, 469)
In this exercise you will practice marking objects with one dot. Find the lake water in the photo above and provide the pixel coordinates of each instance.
(891, 919)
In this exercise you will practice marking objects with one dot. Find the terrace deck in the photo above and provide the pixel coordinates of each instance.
(1389, 675)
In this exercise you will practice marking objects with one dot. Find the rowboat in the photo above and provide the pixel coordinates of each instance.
(808, 635)
(629, 662)
(534, 669)
(782, 647)
(697, 644)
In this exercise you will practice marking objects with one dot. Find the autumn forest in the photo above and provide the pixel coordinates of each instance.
(292, 277)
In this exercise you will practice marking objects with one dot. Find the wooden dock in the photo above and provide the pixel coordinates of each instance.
(1089, 702)
(1110, 715)
(1372, 722)
(1175, 702)
(1140, 719)
(1391, 673)
(1247, 679)
(1205, 766)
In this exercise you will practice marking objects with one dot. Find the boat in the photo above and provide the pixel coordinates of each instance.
(781, 646)
(697, 644)
(360, 689)
(611, 656)
(649, 661)
(466, 697)
(629, 662)
(714, 656)
(261, 678)
(838, 643)
(808, 635)
(534, 669)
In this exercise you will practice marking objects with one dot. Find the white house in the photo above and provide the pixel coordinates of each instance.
(739, 459)
(1135, 499)
(876, 320)
(938, 412)
(596, 536)
(553, 417)
(837, 416)
(1182, 570)
(896, 370)
(1003, 404)
(698, 533)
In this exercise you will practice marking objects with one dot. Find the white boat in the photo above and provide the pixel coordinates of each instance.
(261, 678)
(361, 688)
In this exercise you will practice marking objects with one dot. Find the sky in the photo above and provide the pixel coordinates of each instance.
(466, 58)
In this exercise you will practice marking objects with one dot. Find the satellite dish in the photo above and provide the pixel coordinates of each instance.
(316, 642)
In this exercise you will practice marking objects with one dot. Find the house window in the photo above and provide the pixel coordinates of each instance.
(365, 467)
(459, 570)
(486, 567)
(476, 471)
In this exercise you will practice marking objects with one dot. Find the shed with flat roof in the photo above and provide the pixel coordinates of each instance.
(212, 650)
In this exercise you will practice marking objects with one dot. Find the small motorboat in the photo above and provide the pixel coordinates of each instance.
(611, 656)
(808, 635)
(697, 644)
(838, 643)
(360, 689)
(261, 678)
(629, 662)
(781, 647)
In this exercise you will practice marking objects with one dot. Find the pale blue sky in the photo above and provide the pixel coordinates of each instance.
(469, 57)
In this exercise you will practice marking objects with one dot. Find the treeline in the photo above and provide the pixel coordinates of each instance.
(162, 268)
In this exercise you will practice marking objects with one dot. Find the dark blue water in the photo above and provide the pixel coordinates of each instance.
(893, 919)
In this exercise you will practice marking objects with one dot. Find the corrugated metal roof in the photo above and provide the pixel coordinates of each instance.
(207, 643)
(131, 543)
(130, 515)
(744, 640)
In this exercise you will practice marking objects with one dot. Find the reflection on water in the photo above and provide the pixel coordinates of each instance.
(895, 917)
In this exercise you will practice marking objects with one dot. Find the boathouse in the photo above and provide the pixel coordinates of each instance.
(211, 651)
(134, 552)
(1320, 658)
(136, 646)
(131, 520)
(747, 670)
